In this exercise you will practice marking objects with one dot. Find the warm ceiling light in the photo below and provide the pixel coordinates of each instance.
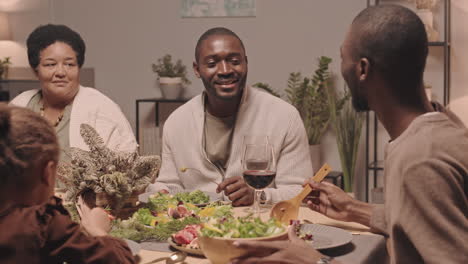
(5, 33)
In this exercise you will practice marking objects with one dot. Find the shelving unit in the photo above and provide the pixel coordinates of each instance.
(373, 161)
(21, 79)
(10, 88)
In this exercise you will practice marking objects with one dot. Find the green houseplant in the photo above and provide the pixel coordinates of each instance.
(171, 76)
(347, 124)
(310, 97)
(4, 65)
(266, 87)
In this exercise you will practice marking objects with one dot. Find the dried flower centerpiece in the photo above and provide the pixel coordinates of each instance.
(116, 178)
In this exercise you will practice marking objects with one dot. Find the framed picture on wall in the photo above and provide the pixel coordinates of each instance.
(217, 8)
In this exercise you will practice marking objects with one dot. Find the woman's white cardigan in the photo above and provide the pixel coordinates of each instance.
(94, 108)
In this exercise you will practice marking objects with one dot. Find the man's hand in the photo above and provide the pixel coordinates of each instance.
(332, 201)
(237, 191)
(294, 251)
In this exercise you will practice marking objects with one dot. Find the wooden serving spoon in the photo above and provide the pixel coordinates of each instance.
(288, 210)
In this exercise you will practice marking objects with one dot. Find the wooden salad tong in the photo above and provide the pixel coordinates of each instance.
(288, 210)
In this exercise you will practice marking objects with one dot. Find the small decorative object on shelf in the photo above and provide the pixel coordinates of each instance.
(171, 76)
(4, 65)
(425, 4)
(113, 179)
(424, 11)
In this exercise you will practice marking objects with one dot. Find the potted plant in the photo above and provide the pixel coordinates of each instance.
(347, 124)
(4, 65)
(171, 76)
(267, 88)
(309, 96)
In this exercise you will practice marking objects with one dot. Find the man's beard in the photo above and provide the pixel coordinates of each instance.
(360, 103)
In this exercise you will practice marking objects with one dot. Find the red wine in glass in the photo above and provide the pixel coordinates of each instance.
(259, 179)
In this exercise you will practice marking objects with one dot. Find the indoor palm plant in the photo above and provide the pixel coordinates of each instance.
(171, 76)
(347, 124)
(310, 97)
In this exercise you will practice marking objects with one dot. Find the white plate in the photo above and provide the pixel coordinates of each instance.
(197, 252)
(324, 237)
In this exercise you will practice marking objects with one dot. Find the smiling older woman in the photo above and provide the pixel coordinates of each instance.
(56, 54)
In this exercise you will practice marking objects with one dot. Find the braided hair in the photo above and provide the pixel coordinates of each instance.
(26, 140)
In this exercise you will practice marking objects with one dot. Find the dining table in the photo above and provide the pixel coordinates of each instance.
(365, 247)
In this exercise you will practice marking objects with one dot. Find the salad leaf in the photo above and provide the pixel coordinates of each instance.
(159, 202)
(195, 197)
(144, 216)
(241, 227)
(133, 230)
(215, 210)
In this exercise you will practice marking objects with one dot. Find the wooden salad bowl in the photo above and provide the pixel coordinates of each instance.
(220, 250)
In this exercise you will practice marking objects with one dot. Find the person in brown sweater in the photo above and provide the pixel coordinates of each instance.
(34, 226)
(425, 214)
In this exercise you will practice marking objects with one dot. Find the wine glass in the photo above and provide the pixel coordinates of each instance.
(259, 166)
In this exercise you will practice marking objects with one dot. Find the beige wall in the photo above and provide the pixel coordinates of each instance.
(124, 37)
(459, 65)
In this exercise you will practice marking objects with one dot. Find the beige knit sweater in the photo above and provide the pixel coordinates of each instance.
(259, 113)
(426, 205)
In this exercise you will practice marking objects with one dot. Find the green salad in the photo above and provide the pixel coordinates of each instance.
(195, 197)
(165, 214)
(135, 230)
(241, 227)
(160, 201)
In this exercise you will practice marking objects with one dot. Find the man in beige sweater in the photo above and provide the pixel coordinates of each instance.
(426, 162)
(207, 133)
